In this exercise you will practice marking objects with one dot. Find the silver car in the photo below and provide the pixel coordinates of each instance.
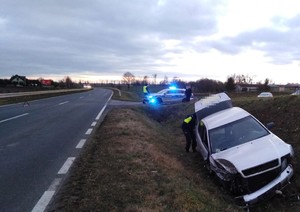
(265, 95)
(297, 92)
(245, 156)
(168, 94)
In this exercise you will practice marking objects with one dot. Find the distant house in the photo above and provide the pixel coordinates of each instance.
(47, 83)
(277, 88)
(246, 87)
(33, 83)
(18, 80)
(289, 88)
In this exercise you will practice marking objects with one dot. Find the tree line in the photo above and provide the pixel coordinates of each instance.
(22, 81)
(202, 85)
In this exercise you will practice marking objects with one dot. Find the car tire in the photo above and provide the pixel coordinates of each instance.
(159, 100)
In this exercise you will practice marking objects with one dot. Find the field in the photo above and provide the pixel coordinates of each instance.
(27, 98)
(136, 162)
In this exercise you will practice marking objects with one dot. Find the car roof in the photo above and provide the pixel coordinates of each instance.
(265, 93)
(173, 89)
(224, 117)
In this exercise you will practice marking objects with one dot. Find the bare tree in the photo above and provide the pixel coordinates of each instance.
(68, 82)
(242, 79)
(165, 81)
(128, 78)
(230, 85)
(145, 80)
(208, 85)
(154, 78)
(265, 86)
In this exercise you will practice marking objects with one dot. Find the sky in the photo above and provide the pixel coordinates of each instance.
(93, 40)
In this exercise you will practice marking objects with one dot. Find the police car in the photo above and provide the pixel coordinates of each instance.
(168, 94)
(245, 156)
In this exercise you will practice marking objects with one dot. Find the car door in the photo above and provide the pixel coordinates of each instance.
(202, 140)
(180, 93)
(169, 94)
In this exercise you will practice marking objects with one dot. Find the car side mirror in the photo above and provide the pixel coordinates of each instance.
(270, 125)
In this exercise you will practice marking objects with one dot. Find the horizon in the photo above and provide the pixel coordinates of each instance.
(188, 39)
(117, 80)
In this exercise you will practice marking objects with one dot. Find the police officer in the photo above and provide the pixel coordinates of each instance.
(188, 93)
(146, 93)
(188, 127)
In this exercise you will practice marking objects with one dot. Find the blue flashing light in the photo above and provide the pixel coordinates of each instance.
(150, 97)
(153, 100)
(172, 87)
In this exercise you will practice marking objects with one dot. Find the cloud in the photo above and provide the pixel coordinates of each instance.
(279, 42)
(53, 37)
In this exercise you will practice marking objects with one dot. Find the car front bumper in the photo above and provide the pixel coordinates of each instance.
(269, 189)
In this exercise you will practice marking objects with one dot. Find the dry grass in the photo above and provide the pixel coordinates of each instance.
(129, 166)
(136, 162)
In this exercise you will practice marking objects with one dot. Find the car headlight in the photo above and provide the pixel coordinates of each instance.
(285, 161)
(224, 169)
(292, 153)
(227, 165)
(284, 164)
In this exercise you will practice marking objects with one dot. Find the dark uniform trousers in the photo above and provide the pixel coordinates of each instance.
(188, 130)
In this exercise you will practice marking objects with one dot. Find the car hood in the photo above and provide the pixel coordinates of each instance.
(255, 152)
(155, 94)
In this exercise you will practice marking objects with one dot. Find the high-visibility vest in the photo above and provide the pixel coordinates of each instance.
(145, 89)
(188, 119)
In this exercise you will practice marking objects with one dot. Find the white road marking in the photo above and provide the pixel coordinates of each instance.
(81, 144)
(47, 196)
(93, 124)
(13, 144)
(43, 202)
(102, 110)
(89, 131)
(15, 117)
(54, 185)
(81, 97)
(100, 113)
(62, 103)
(65, 168)
(110, 97)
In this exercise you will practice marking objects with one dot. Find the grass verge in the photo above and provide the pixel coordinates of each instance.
(138, 166)
(136, 162)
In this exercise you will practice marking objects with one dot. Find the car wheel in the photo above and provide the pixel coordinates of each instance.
(210, 171)
(159, 100)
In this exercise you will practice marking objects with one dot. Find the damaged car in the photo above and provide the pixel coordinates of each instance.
(244, 155)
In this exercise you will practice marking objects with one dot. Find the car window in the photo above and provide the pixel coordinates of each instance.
(172, 91)
(236, 133)
(162, 91)
(203, 134)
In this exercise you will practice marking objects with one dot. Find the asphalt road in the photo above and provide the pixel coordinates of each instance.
(39, 142)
